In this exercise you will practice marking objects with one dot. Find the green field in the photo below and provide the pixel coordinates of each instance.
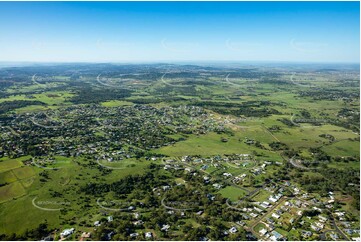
(233, 193)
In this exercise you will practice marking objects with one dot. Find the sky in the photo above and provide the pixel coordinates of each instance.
(179, 31)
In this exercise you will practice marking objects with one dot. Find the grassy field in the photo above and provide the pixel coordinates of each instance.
(16, 204)
(50, 98)
(11, 191)
(262, 196)
(15, 177)
(211, 144)
(9, 164)
(343, 148)
(233, 193)
(116, 103)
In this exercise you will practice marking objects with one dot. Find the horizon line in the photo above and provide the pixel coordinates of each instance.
(180, 61)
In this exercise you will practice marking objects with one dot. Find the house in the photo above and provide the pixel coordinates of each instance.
(275, 215)
(320, 225)
(340, 214)
(133, 235)
(253, 215)
(277, 235)
(273, 238)
(86, 235)
(315, 228)
(306, 234)
(296, 190)
(349, 231)
(165, 227)
(270, 220)
(263, 231)
(199, 213)
(233, 230)
(265, 204)
(334, 236)
(67, 232)
(257, 209)
(317, 209)
(165, 188)
(272, 199)
(279, 212)
(241, 223)
(298, 203)
(109, 235)
(110, 218)
(139, 222)
(148, 235)
(322, 218)
(97, 223)
(226, 174)
(217, 186)
(204, 167)
(211, 197)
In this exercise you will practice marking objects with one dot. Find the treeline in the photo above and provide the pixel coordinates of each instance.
(329, 94)
(126, 185)
(334, 179)
(33, 234)
(248, 109)
(324, 180)
(11, 105)
(89, 95)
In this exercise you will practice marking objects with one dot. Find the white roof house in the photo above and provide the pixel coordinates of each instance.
(233, 230)
(148, 235)
(263, 231)
(67, 232)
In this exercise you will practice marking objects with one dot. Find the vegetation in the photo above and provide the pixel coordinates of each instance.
(125, 152)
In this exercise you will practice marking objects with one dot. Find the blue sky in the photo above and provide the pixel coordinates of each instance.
(179, 31)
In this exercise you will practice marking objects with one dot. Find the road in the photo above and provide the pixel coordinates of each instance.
(334, 225)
